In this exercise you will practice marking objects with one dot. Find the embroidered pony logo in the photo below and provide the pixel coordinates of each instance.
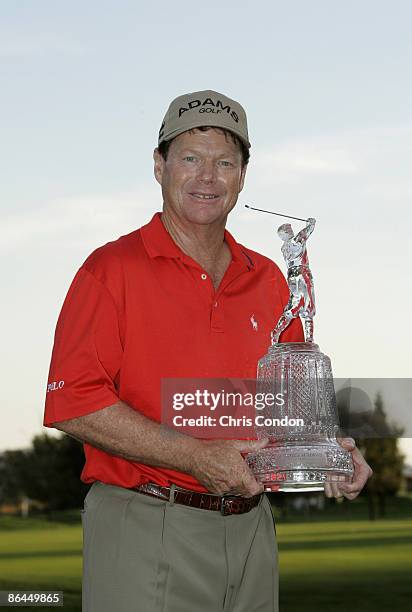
(254, 322)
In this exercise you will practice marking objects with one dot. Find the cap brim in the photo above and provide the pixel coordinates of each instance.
(208, 122)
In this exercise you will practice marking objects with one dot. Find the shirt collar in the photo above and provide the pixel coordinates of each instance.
(159, 243)
(157, 240)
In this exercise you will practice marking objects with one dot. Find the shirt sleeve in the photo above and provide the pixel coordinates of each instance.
(87, 352)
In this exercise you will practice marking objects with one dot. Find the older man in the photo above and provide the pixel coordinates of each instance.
(172, 523)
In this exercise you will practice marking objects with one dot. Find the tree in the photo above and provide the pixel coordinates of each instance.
(48, 472)
(383, 455)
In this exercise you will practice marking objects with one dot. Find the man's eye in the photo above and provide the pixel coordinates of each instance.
(190, 158)
(224, 162)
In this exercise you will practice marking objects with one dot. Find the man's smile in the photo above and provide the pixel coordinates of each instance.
(204, 196)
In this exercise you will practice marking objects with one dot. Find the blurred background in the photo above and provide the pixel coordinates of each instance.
(327, 89)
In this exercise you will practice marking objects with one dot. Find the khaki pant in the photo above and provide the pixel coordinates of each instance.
(142, 554)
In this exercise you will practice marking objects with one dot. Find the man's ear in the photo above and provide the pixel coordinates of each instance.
(159, 163)
(242, 177)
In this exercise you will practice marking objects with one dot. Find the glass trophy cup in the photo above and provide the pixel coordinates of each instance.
(303, 453)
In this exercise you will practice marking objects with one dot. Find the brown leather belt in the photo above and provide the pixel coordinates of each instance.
(225, 504)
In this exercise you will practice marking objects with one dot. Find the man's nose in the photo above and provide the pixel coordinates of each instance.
(207, 171)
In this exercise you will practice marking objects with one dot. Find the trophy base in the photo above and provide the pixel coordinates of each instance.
(302, 481)
(298, 468)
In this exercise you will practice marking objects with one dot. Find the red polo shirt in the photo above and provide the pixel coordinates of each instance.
(140, 310)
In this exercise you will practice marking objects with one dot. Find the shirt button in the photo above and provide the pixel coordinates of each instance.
(215, 305)
(203, 276)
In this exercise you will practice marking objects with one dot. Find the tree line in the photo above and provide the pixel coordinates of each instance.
(47, 472)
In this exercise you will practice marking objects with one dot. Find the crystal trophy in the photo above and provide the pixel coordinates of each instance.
(303, 453)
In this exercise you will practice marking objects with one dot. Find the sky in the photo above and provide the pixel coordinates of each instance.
(327, 89)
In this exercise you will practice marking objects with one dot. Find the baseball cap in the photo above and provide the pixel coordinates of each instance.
(204, 108)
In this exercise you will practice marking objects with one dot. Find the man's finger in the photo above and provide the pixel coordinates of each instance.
(249, 446)
(355, 487)
(362, 473)
(347, 443)
(350, 496)
(328, 490)
(250, 484)
(332, 490)
(335, 490)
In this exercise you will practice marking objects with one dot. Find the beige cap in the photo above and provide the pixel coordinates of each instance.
(204, 108)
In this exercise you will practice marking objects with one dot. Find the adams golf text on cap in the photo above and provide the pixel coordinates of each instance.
(204, 108)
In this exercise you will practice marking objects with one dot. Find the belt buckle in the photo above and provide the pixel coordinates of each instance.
(223, 506)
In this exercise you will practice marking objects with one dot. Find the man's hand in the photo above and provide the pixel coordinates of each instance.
(220, 467)
(362, 472)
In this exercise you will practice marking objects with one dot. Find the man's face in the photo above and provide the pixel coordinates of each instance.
(201, 178)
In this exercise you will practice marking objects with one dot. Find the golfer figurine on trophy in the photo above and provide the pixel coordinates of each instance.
(300, 281)
(303, 452)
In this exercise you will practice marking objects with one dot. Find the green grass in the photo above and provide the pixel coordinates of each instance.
(339, 566)
(36, 554)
